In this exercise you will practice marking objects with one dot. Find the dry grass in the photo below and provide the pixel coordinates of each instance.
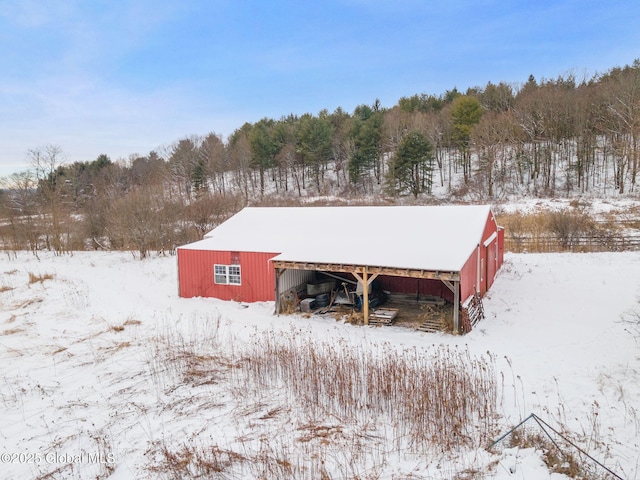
(33, 278)
(447, 398)
(564, 230)
(96, 443)
(562, 451)
(5, 288)
(11, 331)
(557, 461)
(289, 302)
(307, 409)
(128, 323)
(115, 348)
(190, 461)
(351, 317)
(27, 303)
(315, 432)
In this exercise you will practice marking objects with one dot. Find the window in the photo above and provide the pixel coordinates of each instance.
(226, 274)
(220, 274)
(234, 274)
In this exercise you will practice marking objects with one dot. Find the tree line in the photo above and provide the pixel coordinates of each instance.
(544, 138)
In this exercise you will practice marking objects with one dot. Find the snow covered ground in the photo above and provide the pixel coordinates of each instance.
(85, 391)
(593, 206)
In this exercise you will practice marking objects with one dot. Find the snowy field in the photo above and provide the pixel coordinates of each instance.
(90, 389)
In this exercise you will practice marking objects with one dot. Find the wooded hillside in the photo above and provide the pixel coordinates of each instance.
(548, 138)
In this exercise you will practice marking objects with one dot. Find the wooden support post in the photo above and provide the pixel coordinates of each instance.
(455, 288)
(278, 273)
(365, 296)
(365, 281)
(359, 278)
(456, 308)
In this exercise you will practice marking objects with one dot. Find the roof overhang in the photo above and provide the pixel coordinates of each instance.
(371, 269)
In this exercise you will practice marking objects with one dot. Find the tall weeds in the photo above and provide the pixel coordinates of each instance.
(444, 397)
(322, 408)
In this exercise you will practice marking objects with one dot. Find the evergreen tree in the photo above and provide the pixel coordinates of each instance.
(366, 133)
(411, 168)
(314, 142)
(465, 114)
(263, 148)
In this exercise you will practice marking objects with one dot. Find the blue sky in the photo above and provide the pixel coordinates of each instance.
(125, 77)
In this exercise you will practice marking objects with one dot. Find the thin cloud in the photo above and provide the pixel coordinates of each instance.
(102, 77)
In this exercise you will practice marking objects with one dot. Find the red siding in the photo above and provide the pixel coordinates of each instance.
(195, 275)
(469, 276)
(491, 262)
(479, 271)
(500, 247)
(422, 286)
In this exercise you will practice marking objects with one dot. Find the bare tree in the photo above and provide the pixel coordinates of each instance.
(21, 208)
(187, 166)
(46, 162)
(144, 220)
(210, 210)
(622, 87)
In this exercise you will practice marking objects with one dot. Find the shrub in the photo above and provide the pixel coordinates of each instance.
(569, 227)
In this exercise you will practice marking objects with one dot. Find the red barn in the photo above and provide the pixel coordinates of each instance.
(259, 254)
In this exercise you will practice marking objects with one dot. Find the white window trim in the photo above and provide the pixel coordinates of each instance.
(225, 272)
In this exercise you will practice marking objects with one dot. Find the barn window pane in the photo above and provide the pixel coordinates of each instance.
(234, 274)
(220, 274)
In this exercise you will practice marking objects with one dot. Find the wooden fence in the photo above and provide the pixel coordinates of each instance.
(584, 243)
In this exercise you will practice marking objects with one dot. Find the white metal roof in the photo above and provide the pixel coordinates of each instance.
(416, 237)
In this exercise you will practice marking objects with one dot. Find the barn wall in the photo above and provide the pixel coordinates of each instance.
(490, 257)
(293, 278)
(423, 286)
(469, 276)
(491, 263)
(195, 275)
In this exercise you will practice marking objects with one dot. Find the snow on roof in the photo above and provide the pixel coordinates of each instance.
(416, 237)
